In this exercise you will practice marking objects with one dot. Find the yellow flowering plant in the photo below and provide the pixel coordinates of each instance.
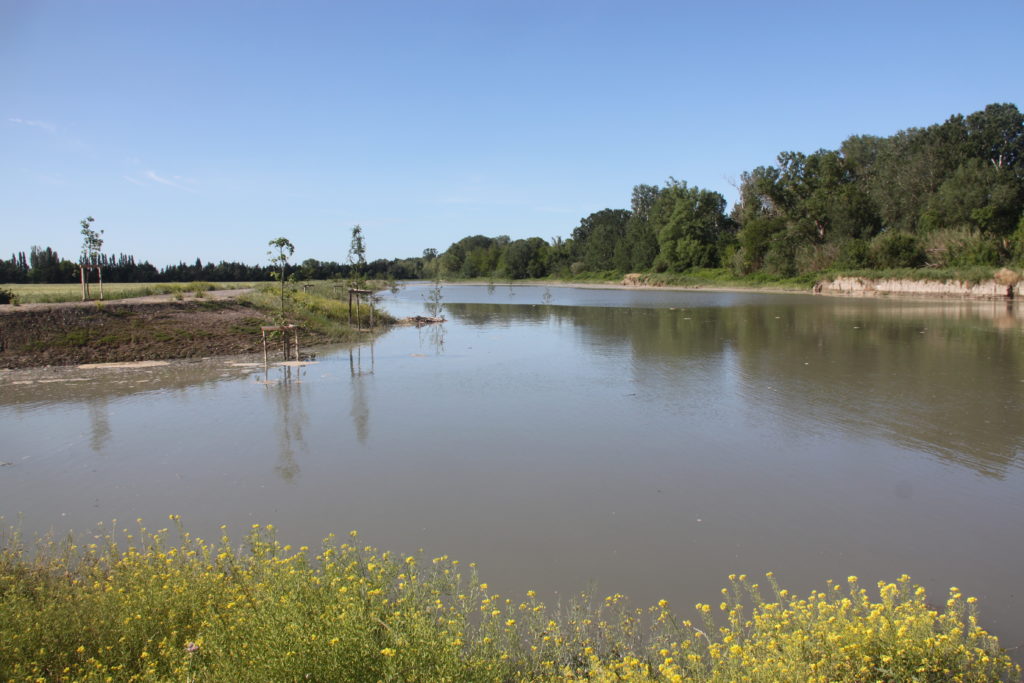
(133, 606)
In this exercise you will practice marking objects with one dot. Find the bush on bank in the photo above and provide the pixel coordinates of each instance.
(134, 607)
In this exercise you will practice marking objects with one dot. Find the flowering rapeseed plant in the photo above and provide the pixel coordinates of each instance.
(135, 607)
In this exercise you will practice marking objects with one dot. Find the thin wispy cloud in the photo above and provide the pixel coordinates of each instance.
(133, 181)
(175, 183)
(48, 127)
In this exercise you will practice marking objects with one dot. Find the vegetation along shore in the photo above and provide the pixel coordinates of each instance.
(194, 321)
(942, 199)
(199, 319)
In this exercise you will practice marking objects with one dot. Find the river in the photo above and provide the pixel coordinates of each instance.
(642, 442)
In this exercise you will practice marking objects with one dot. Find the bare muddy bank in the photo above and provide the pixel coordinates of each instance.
(131, 331)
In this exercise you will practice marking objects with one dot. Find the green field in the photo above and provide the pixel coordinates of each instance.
(49, 293)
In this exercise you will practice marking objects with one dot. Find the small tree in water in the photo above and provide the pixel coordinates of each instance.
(280, 261)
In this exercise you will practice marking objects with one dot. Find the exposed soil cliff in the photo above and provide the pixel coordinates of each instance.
(1005, 285)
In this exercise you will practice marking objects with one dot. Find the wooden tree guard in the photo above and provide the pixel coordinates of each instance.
(284, 329)
(359, 294)
(83, 271)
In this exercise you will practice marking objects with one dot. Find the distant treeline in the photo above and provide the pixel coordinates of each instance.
(951, 194)
(44, 265)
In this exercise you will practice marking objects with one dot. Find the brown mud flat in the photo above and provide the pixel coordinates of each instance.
(131, 331)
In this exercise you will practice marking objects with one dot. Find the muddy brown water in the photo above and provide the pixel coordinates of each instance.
(642, 442)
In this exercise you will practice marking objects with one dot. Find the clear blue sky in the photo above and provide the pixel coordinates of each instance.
(205, 129)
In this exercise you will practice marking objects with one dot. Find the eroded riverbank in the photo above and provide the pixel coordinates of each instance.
(1005, 285)
(131, 331)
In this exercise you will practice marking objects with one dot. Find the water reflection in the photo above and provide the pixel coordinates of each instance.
(360, 410)
(945, 379)
(284, 387)
(99, 421)
(432, 337)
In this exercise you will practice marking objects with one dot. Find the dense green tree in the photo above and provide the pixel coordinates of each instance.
(525, 258)
(596, 237)
(639, 248)
(45, 265)
(978, 195)
(688, 223)
(996, 135)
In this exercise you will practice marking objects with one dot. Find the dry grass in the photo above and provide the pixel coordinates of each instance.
(50, 293)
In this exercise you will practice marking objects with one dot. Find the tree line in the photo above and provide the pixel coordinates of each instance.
(44, 265)
(948, 195)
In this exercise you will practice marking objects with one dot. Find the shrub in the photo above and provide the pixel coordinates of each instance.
(1015, 243)
(854, 253)
(961, 248)
(816, 258)
(691, 253)
(7, 296)
(895, 249)
(780, 259)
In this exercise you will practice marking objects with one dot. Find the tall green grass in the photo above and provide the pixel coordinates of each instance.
(321, 308)
(136, 605)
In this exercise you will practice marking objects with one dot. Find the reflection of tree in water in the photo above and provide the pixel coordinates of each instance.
(434, 299)
(99, 419)
(360, 410)
(908, 371)
(433, 336)
(287, 391)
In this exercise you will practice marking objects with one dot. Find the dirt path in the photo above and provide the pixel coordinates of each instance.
(215, 294)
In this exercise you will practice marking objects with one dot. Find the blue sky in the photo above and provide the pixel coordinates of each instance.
(206, 129)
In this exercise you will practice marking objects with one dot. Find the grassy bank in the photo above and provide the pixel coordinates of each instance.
(138, 606)
(190, 325)
(50, 294)
(320, 307)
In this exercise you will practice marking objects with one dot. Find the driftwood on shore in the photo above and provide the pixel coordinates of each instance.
(421, 320)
